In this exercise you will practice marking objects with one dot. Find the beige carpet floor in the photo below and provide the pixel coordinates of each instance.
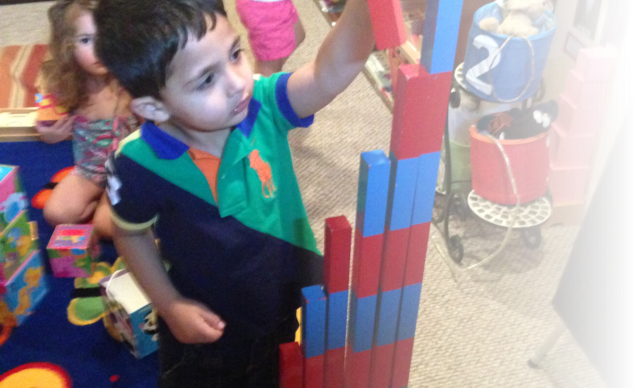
(476, 328)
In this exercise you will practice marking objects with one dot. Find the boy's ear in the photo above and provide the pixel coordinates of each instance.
(150, 108)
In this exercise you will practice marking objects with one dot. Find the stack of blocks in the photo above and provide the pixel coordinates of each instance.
(22, 283)
(395, 203)
(573, 135)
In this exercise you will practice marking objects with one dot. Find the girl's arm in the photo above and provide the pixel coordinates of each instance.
(189, 321)
(340, 58)
(60, 130)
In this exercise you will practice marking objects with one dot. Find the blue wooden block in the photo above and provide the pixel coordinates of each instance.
(408, 311)
(401, 192)
(373, 187)
(362, 322)
(337, 319)
(314, 321)
(425, 188)
(388, 312)
(441, 28)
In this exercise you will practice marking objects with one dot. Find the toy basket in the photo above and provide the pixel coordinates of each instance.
(501, 68)
(529, 162)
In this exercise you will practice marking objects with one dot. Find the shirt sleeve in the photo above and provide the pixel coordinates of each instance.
(272, 92)
(133, 204)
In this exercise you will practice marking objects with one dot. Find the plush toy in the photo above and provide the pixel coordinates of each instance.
(518, 16)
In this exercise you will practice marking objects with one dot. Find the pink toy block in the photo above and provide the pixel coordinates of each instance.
(381, 365)
(17, 241)
(395, 251)
(596, 64)
(577, 120)
(570, 151)
(12, 197)
(337, 254)
(334, 368)
(73, 250)
(291, 365)
(419, 112)
(568, 184)
(402, 363)
(357, 368)
(313, 376)
(388, 23)
(367, 259)
(585, 94)
(416, 255)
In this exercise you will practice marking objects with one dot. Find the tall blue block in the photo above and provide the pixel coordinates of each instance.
(408, 311)
(314, 321)
(425, 188)
(373, 187)
(441, 28)
(337, 319)
(388, 312)
(362, 322)
(401, 192)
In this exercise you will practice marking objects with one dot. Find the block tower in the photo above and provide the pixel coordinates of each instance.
(22, 283)
(394, 210)
(573, 136)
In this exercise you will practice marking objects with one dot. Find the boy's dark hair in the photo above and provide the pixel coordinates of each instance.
(137, 39)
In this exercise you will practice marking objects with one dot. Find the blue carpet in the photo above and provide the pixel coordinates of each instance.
(87, 353)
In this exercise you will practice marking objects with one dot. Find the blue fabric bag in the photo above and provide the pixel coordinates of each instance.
(500, 68)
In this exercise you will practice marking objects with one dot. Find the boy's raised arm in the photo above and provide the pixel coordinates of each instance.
(340, 58)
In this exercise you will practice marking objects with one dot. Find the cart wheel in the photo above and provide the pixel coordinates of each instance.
(460, 207)
(531, 237)
(456, 249)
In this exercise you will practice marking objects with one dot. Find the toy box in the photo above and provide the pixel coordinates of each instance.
(17, 241)
(20, 294)
(130, 310)
(73, 250)
(12, 197)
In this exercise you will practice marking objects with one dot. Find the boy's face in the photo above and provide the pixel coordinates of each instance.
(210, 82)
(84, 45)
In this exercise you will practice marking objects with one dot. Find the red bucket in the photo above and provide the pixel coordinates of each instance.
(529, 162)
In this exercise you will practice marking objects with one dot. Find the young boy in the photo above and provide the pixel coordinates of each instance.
(210, 175)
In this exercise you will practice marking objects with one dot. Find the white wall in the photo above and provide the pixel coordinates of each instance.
(621, 102)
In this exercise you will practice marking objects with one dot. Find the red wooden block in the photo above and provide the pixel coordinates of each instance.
(367, 259)
(314, 372)
(382, 365)
(419, 113)
(568, 184)
(416, 256)
(596, 64)
(402, 362)
(337, 254)
(582, 93)
(357, 367)
(570, 150)
(388, 23)
(334, 368)
(395, 250)
(291, 365)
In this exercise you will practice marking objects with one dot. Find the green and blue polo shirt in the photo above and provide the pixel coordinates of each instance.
(245, 254)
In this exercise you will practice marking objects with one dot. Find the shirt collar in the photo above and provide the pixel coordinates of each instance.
(169, 147)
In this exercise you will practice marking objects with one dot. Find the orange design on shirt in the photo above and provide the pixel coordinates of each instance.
(209, 166)
(264, 172)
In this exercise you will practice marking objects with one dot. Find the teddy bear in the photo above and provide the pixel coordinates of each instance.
(518, 16)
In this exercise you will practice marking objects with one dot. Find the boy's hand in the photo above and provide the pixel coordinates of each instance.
(191, 322)
(57, 132)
